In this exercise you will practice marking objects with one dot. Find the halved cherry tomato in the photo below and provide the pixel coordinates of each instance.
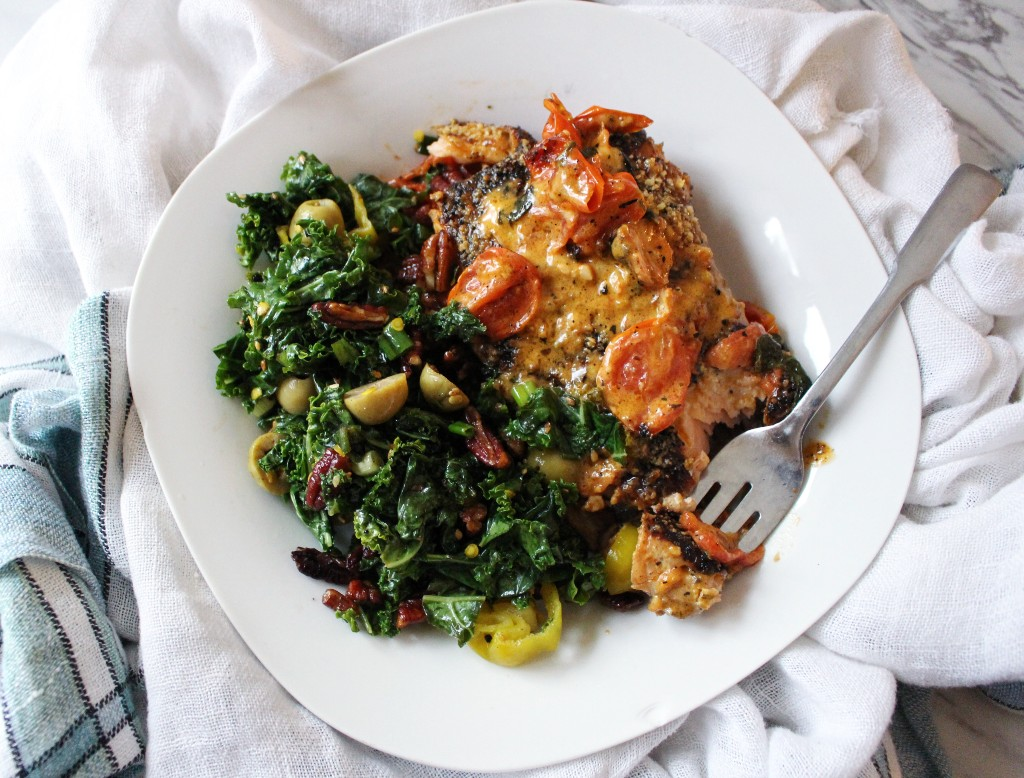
(622, 202)
(718, 545)
(736, 349)
(502, 289)
(569, 175)
(757, 315)
(644, 246)
(559, 122)
(596, 118)
(645, 374)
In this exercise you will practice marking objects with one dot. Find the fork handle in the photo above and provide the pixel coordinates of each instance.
(961, 202)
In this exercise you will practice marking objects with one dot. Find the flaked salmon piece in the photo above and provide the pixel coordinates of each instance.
(671, 568)
(469, 143)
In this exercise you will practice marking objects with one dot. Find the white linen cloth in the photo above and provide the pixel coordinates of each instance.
(109, 104)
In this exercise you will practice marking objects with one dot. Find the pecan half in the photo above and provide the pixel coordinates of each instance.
(410, 612)
(438, 257)
(485, 445)
(446, 256)
(351, 317)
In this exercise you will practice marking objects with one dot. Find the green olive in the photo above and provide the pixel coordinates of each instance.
(293, 394)
(368, 464)
(553, 465)
(376, 402)
(325, 210)
(274, 482)
(441, 392)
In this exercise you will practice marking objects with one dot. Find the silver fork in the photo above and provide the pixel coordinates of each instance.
(755, 479)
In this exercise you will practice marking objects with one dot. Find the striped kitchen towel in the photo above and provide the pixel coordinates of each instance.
(72, 691)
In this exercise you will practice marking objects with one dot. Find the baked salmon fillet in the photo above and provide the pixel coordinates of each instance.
(582, 255)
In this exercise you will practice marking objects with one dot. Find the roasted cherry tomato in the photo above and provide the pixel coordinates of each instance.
(621, 202)
(757, 315)
(597, 118)
(645, 374)
(560, 121)
(569, 176)
(502, 289)
(736, 349)
(720, 546)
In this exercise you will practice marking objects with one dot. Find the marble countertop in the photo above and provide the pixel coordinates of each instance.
(970, 53)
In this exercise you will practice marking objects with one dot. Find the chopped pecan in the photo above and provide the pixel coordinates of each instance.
(351, 317)
(410, 612)
(485, 445)
(365, 593)
(411, 270)
(337, 601)
(473, 518)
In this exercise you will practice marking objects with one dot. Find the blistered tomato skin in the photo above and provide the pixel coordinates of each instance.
(645, 375)
(502, 289)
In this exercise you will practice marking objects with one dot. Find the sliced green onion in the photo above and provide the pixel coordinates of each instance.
(462, 429)
(522, 392)
(262, 405)
(393, 341)
(344, 352)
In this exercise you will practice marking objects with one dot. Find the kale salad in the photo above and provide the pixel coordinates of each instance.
(380, 426)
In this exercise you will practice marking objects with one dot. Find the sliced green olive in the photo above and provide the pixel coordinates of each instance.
(440, 392)
(368, 464)
(325, 210)
(553, 465)
(376, 402)
(293, 394)
(274, 482)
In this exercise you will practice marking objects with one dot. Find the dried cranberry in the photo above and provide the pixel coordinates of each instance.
(331, 460)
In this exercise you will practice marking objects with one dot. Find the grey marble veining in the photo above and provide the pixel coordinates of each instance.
(970, 53)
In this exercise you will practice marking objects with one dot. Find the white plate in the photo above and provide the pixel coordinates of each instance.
(783, 234)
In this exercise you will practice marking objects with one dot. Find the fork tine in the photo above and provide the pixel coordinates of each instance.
(756, 535)
(721, 501)
(740, 515)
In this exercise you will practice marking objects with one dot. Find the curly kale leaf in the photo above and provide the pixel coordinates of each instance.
(305, 177)
(390, 210)
(770, 354)
(454, 322)
(454, 614)
(552, 419)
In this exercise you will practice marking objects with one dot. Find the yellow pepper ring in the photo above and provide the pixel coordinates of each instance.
(509, 636)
